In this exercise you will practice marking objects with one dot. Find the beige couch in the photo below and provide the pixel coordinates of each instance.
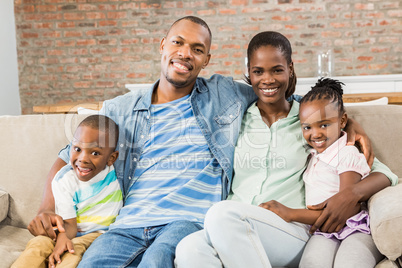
(29, 145)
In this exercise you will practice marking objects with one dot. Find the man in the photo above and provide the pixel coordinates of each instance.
(176, 150)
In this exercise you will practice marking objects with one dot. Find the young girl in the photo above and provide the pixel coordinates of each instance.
(332, 167)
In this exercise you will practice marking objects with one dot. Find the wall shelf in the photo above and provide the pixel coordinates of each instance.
(353, 84)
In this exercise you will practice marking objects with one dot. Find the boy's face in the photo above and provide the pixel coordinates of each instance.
(90, 152)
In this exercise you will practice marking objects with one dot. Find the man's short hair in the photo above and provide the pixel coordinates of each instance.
(196, 20)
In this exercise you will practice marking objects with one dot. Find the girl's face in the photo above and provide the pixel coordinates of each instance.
(321, 123)
(269, 74)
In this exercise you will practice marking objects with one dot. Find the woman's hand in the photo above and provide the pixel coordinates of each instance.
(356, 134)
(336, 210)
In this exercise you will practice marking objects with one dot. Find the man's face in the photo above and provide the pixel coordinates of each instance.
(185, 51)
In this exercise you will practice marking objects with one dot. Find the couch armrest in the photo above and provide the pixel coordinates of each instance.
(385, 209)
(3, 205)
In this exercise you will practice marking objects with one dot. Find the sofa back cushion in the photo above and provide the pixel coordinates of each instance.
(29, 145)
(383, 124)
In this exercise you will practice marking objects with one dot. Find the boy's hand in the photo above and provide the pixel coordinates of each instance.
(281, 210)
(44, 223)
(63, 244)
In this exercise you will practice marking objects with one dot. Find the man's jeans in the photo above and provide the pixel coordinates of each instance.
(138, 247)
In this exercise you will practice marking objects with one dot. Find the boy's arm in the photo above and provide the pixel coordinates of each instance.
(64, 242)
(46, 219)
(288, 214)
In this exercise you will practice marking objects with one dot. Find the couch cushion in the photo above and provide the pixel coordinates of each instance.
(383, 124)
(29, 145)
(12, 243)
(385, 263)
(3, 205)
(385, 209)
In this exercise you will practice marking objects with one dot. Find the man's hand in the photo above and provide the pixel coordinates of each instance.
(336, 210)
(281, 210)
(44, 223)
(63, 244)
(356, 134)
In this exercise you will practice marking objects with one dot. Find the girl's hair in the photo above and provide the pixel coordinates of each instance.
(326, 89)
(278, 41)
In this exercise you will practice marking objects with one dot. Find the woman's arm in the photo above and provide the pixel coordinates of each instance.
(305, 215)
(46, 219)
(346, 203)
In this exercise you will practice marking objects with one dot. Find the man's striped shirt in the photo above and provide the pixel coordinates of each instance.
(177, 176)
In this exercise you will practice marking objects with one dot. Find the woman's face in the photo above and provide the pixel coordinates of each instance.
(269, 74)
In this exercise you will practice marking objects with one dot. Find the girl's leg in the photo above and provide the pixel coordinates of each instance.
(196, 251)
(250, 236)
(319, 252)
(36, 253)
(357, 250)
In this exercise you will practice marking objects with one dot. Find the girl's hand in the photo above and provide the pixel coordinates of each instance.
(336, 210)
(356, 134)
(281, 210)
(63, 244)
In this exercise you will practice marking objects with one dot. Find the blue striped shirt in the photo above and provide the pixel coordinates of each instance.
(177, 177)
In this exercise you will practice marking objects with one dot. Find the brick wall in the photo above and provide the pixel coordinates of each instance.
(87, 50)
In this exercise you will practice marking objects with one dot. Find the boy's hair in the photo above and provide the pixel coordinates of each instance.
(278, 41)
(103, 124)
(326, 89)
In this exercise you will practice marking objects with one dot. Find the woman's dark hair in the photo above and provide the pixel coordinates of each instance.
(326, 89)
(278, 41)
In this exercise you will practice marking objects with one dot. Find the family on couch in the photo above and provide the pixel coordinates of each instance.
(184, 145)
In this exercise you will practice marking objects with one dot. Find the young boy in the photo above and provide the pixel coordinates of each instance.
(87, 196)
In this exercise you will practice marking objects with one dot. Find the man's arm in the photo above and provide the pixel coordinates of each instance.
(46, 218)
(356, 134)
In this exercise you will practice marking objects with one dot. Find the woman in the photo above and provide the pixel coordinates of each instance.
(269, 161)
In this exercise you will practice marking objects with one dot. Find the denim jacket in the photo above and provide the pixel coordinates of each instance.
(218, 104)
